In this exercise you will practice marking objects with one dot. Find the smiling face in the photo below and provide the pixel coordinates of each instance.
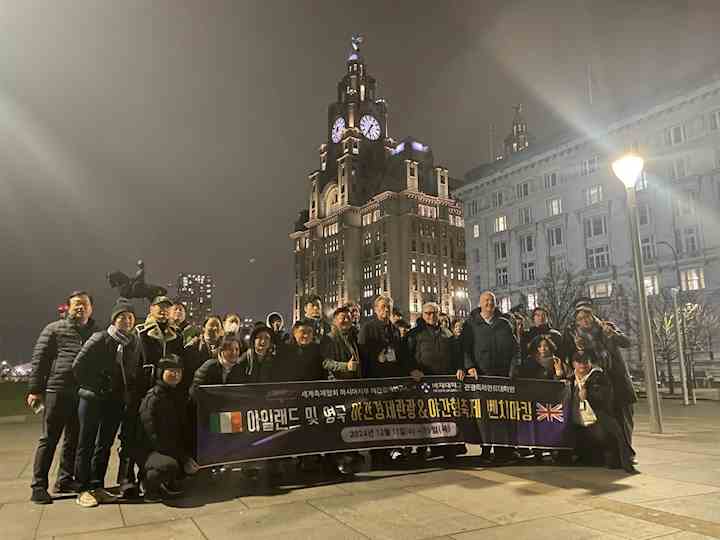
(80, 308)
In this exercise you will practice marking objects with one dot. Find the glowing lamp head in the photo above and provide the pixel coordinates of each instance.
(628, 169)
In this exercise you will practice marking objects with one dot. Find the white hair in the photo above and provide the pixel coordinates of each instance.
(433, 305)
(383, 298)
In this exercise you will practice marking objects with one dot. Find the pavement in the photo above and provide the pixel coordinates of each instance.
(676, 497)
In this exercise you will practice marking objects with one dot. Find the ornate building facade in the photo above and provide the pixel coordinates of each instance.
(380, 218)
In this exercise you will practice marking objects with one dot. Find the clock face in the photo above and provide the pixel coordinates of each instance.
(337, 129)
(370, 127)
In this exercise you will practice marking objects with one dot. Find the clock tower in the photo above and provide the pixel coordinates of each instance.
(358, 237)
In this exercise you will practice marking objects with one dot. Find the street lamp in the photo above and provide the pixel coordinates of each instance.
(679, 323)
(628, 169)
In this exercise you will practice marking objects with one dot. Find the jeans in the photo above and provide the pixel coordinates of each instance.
(60, 414)
(99, 421)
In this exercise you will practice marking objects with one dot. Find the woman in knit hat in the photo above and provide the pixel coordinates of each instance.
(105, 371)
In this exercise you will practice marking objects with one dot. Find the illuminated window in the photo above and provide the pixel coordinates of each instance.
(651, 285)
(602, 289)
(501, 224)
(504, 304)
(554, 206)
(692, 279)
(589, 166)
(594, 194)
(476, 231)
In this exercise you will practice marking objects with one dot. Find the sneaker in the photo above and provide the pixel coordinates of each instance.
(67, 486)
(103, 496)
(40, 496)
(171, 489)
(87, 500)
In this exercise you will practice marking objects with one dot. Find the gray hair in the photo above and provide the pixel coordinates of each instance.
(383, 298)
(433, 305)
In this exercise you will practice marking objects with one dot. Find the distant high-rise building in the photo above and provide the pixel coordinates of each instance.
(380, 218)
(195, 292)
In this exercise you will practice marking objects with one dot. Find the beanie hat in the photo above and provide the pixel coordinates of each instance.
(121, 305)
(171, 361)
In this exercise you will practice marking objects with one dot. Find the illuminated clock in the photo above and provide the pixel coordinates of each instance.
(337, 129)
(370, 127)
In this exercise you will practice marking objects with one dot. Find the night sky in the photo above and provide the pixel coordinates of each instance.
(182, 132)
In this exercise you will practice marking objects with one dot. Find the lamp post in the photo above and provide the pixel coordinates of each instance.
(679, 322)
(628, 169)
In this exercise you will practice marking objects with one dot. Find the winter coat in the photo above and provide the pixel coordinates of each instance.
(162, 426)
(296, 363)
(531, 369)
(156, 344)
(211, 372)
(606, 355)
(375, 337)
(256, 370)
(489, 348)
(599, 392)
(99, 375)
(54, 353)
(430, 349)
(337, 350)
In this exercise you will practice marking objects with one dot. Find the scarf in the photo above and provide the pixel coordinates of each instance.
(123, 339)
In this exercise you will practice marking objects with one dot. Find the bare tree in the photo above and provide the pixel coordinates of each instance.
(559, 291)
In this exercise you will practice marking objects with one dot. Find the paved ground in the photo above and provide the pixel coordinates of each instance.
(677, 497)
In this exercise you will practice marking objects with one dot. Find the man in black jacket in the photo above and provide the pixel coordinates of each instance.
(53, 386)
(490, 348)
(430, 350)
(301, 358)
(489, 344)
(161, 450)
(314, 316)
(429, 344)
(381, 349)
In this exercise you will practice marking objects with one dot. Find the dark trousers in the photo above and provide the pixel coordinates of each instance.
(624, 414)
(128, 445)
(60, 415)
(159, 469)
(99, 421)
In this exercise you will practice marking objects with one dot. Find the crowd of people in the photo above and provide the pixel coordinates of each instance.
(136, 381)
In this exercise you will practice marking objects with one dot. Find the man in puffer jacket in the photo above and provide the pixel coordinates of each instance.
(161, 451)
(52, 386)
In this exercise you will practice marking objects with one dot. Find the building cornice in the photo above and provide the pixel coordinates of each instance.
(567, 148)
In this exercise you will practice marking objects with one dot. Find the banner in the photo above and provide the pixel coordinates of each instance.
(262, 421)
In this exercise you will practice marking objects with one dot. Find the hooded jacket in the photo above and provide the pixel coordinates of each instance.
(281, 336)
(489, 348)
(55, 350)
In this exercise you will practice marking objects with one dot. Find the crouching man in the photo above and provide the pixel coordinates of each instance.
(162, 452)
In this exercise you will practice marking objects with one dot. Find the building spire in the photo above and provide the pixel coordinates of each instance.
(355, 41)
(517, 140)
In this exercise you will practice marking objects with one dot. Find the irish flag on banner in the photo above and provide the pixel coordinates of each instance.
(226, 422)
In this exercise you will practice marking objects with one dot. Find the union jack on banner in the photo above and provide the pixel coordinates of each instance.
(549, 413)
